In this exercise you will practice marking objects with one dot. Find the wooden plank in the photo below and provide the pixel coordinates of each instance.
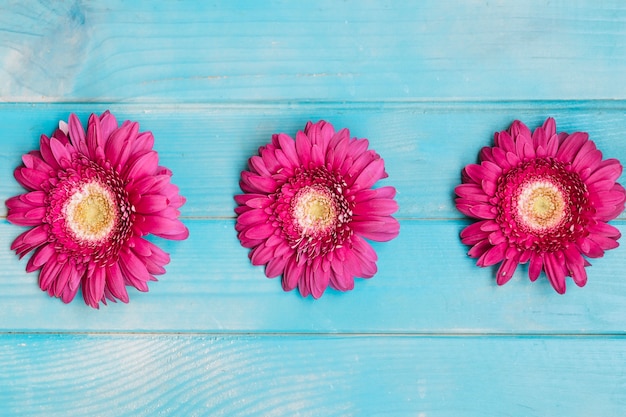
(229, 51)
(425, 146)
(428, 83)
(118, 375)
(425, 284)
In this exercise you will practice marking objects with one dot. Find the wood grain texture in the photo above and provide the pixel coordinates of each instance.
(425, 284)
(301, 51)
(153, 375)
(428, 83)
(425, 146)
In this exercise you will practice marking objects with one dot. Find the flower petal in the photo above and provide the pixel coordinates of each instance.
(31, 179)
(493, 255)
(44, 254)
(145, 164)
(29, 240)
(376, 207)
(288, 146)
(555, 270)
(536, 266)
(48, 275)
(371, 173)
(260, 231)
(292, 274)
(575, 264)
(571, 145)
(165, 227)
(380, 229)
(93, 287)
(151, 203)
(134, 271)
(506, 271)
(77, 134)
(115, 282)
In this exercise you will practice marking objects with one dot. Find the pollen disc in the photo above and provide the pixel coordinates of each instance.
(314, 209)
(541, 205)
(90, 212)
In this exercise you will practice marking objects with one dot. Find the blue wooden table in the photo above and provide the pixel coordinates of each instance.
(428, 82)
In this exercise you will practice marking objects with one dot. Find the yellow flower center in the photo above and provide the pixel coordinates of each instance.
(90, 212)
(314, 210)
(541, 205)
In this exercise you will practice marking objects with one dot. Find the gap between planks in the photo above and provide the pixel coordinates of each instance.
(329, 335)
(452, 103)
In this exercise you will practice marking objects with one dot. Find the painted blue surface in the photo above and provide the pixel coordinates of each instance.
(428, 83)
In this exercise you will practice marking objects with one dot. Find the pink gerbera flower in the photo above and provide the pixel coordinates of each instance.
(543, 198)
(92, 196)
(309, 205)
